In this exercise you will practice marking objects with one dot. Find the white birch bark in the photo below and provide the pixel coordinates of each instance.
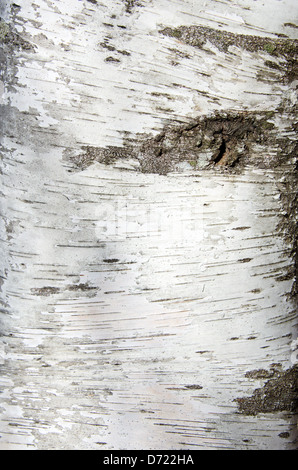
(137, 308)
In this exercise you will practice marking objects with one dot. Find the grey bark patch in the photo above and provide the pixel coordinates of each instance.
(107, 156)
(198, 36)
(280, 393)
(23, 124)
(193, 387)
(51, 290)
(263, 373)
(221, 140)
(112, 59)
(45, 291)
(81, 287)
(130, 5)
(14, 40)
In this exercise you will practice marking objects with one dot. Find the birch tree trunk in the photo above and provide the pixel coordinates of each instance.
(148, 246)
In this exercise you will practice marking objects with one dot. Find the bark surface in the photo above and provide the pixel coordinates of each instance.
(148, 224)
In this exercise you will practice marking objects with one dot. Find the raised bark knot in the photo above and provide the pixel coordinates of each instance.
(221, 140)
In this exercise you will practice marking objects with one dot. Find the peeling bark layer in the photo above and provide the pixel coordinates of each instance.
(148, 225)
